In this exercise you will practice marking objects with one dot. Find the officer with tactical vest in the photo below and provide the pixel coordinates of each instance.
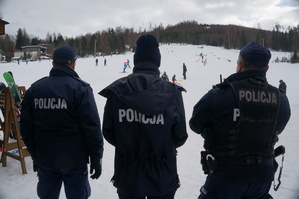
(240, 120)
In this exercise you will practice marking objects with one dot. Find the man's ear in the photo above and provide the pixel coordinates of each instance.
(240, 66)
(73, 65)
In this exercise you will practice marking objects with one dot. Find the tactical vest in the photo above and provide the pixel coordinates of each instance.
(255, 126)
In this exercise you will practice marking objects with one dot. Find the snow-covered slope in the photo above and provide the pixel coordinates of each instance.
(200, 78)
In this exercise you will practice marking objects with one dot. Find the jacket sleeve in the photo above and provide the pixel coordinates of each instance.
(180, 132)
(27, 125)
(89, 121)
(108, 122)
(283, 114)
(200, 114)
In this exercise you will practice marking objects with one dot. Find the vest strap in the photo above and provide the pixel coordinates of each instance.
(246, 161)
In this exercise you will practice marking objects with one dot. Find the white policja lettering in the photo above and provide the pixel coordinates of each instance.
(50, 103)
(131, 115)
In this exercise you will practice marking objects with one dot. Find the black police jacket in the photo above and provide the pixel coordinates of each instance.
(215, 112)
(60, 123)
(144, 119)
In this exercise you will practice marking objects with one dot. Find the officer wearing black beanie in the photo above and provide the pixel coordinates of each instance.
(147, 49)
(144, 119)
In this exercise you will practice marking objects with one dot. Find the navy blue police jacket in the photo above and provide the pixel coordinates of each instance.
(60, 123)
(144, 119)
(214, 111)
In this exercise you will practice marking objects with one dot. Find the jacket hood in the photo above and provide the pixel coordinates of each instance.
(60, 70)
(143, 90)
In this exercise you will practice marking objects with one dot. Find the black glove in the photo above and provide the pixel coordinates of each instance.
(35, 166)
(95, 172)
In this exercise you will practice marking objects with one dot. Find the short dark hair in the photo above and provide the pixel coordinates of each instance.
(249, 66)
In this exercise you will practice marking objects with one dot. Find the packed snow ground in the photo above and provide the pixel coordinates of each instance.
(200, 78)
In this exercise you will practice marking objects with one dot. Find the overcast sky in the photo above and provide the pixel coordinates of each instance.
(73, 17)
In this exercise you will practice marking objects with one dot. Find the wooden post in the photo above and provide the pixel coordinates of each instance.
(11, 125)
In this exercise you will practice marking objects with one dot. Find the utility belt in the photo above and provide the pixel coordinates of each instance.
(210, 164)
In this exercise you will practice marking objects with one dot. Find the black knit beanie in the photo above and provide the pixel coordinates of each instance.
(147, 49)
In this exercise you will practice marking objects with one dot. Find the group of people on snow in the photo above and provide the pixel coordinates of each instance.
(144, 119)
(164, 76)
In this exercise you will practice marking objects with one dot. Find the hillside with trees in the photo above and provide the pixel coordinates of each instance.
(119, 40)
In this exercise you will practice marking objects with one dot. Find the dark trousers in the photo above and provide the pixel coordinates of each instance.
(75, 182)
(215, 188)
(122, 195)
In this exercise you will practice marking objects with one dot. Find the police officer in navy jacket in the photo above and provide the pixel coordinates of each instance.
(61, 127)
(144, 119)
(240, 120)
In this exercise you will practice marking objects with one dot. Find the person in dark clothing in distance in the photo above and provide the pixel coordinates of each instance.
(164, 76)
(60, 126)
(144, 119)
(174, 79)
(184, 70)
(282, 86)
(240, 120)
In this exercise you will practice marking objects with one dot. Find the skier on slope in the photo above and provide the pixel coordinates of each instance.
(240, 120)
(128, 63)
(174, 79)
(125, 67)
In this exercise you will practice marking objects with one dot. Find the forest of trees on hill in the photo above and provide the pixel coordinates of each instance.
(119, 40)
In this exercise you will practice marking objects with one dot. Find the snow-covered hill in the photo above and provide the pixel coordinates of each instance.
(200, 78)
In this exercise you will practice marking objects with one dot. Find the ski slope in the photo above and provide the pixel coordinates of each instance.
(200, 78)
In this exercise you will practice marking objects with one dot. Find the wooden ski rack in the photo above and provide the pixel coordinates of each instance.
(10, 124)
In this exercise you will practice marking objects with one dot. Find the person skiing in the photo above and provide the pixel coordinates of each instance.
(60, 126)
(97, 60)
(174, 79)
(240, 120)
(128, 63)
(125, 67)
(144, 120)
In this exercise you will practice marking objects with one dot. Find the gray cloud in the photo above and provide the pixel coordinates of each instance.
(1, 6)
(72, 18)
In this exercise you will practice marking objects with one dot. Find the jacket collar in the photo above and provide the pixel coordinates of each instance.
(260, 75)
(146, 67)
(60, 70)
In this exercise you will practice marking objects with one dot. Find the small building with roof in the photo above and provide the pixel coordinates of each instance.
(2, 26)
(34, 51)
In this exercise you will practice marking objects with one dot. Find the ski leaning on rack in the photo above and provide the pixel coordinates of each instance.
(12, 86)
(2, 86)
